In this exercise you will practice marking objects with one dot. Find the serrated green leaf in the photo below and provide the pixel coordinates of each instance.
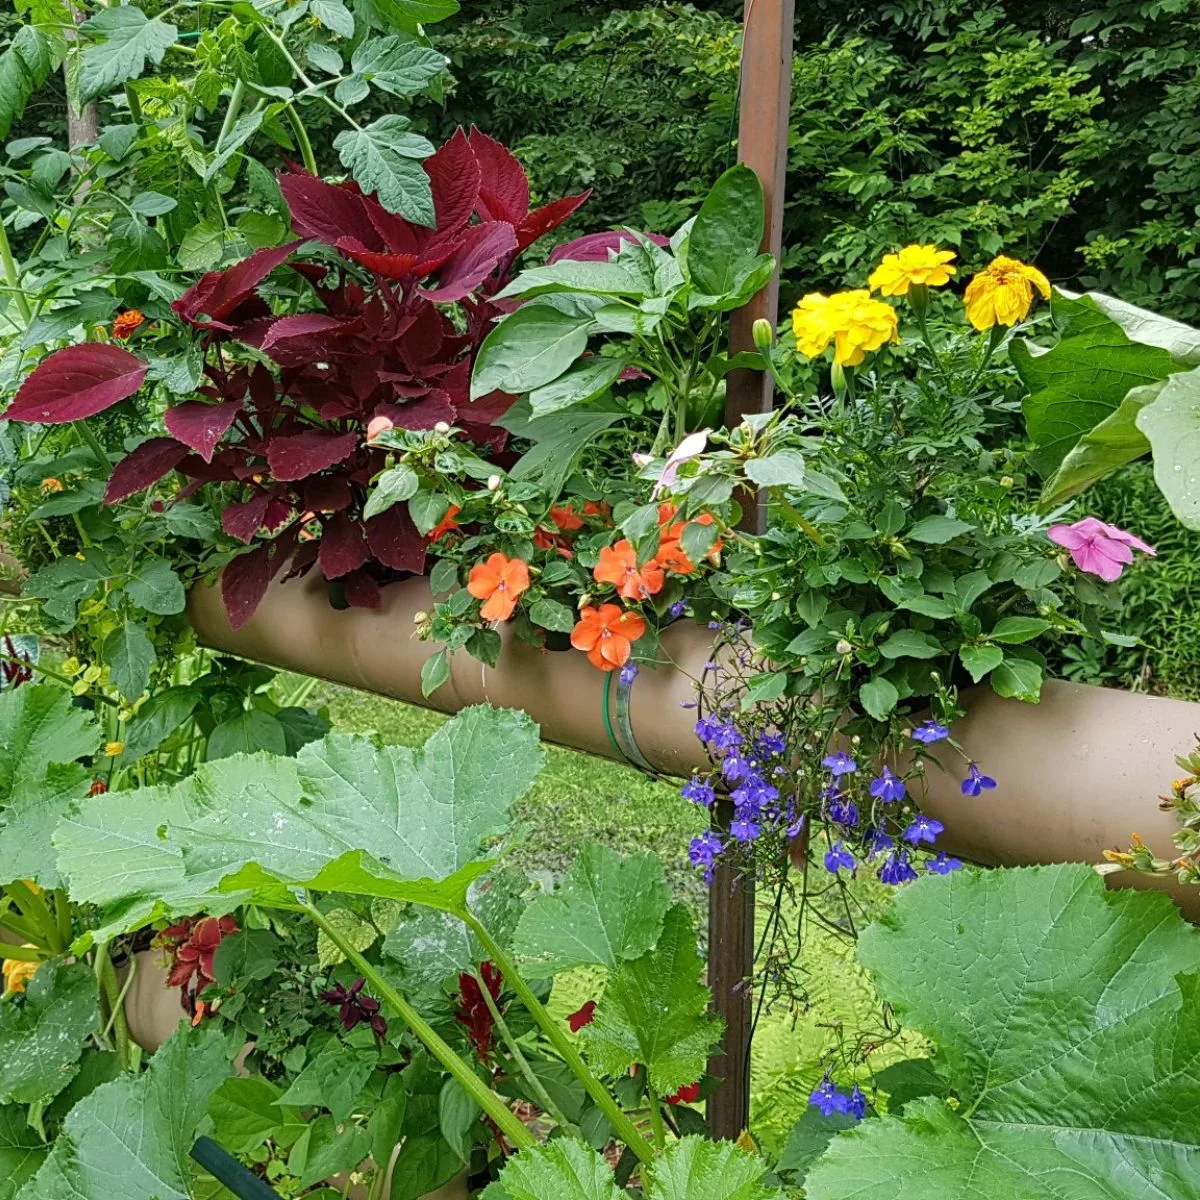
(385, 159)
(563, 1170)
(29, 818)
(608, 910)
(244, 956)
(333, 1079)
(694, 1168)
(130, 655)
(24, 66)
(400, 65)
(979, 660)
(40, 725)
(359, 934)
(155, 587)
(1066, 1028)
(22, 1152)
(654, 1011)
(552, 615)
(126, 40)
(130, 1139)
(784, 468)
(43, 1034)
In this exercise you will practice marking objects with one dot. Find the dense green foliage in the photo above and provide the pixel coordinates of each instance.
(1063, 132)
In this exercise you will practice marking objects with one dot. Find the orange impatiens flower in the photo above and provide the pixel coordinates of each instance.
(566, 518)
(670, 554)
(499, 582)
(126, 323)
(446, 525)
(552, 541)
(607, 635)
(618, 565)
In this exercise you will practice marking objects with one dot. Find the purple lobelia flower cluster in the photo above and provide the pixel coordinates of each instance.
(829, 1099)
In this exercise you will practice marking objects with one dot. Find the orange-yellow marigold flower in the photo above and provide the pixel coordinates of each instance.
(855, 322)
(618, 565)
(499, 582)
(17, 973)
(127, 322)
(1002, 293)
(607, 635)
(913, 266)
(50, 484)
(112, 749)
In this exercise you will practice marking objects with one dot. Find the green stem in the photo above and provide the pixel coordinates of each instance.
(231, 113)
(306, 150)
(34, 908)
(135, 105)
(118, 1006)
(626, 1130)
(93, 444)
(12, 276)
(491, 1104)
(535, 1084)
(62, 914)
(21, 953)
(656, 1118)
(49, 674)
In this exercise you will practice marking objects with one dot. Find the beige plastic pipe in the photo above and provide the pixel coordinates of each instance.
(1077, 773)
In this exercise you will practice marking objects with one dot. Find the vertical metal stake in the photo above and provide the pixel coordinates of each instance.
(762, 144)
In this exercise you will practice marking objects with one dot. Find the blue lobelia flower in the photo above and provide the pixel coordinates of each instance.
(743, 827)
(943, 864)
(735, 767)
(678, 608)
(857, 1106)
(828, 1099)
(930, 731)
(839, 764)
(897, 869)
(628, 673)
(755, 793)
(705, 848)
(887, 787)
(698, 791)
(838, 857)
(770, 743)
(923, 829)
(976, 781)
(844, 812)
(876, 841)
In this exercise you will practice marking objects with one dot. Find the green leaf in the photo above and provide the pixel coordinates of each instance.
(607, 911)
(394, 485)
(528, 349)
(408, 14)
(694, 1168)
(1012, 631)
(334, 15)
(1019, 679)
(155, 587)
(246, 1113)
(784, 468)
(22, 1152)
(560, 1170)
(130, 655)
(878, 696)
(1067, 1021)
(937, 530)
(333, 1079)
(1172, 425)
(358, 934)
(727, 233)
(333, 1147)
(558, 438)
(43, 1034)
(435, 670)
(979, 660)
(385, 158)
(386, 1123)
(30, 57)
(399, 65)
(655, 1012)
(244, 956)
(809, 1139)
(126, 40)
(202, 248)
(444, 576)
(40, 725)
(909, 643)
(552, 615)
(245, 733)
(586, 380)
(458, 1117)
(427, 509)
(568, 275)
(29, 819)
(129, 1139)
(161, 715)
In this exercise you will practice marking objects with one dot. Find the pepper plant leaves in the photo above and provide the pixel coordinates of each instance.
(727, 233)
(1068, 1032)
(43, 1033)
(529, 349)
(654, 1012)
(608, 910)
(130, 1139)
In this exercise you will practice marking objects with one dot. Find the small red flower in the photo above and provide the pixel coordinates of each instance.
(583, 1016)
(98, 788)
(473, 1013)
(688, 1094)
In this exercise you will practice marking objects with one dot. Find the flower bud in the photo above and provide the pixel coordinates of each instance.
(763, 335)
(493, 483)
(1006, 481)
(442, 427)
(844, 647)
(419, 618)
(378, 425)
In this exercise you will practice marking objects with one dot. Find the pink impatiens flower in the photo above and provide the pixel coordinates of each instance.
(1097, 547)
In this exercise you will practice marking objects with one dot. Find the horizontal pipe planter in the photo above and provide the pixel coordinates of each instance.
(1077, 773)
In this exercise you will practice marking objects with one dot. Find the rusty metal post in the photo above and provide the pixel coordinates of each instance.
(762, 144)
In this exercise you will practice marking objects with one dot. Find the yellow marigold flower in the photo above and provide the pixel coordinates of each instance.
(853, 321)
(1002, 293)
(50, 484)
(914, 266)
(17, 973)
(112, 749)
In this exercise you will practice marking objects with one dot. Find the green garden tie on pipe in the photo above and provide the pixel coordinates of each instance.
(621, 736)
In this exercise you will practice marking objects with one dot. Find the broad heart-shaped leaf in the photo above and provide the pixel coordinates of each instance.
(22, 1152)
(727, 233)
(1172, 423)
(129, 38)
(43, 1033)
(1065, 1028)
(78, 381)
(560, 1170)
(40, 725)
(385, 158)
(694, 1168)
(1083, 379)
(654, 1012)
(131, 1138)
(28, 821)
(608, 910)
(529, 348)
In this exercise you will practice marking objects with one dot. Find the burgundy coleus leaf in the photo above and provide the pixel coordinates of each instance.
(362, 591)
(454, 177)
(307, 337)
(326, 493)
(422, 338)
(423, 413)
(303, 559)
(482, 248)
(326, 211)
(77, 382)
(302, 454)
(201, 426)
(279, 511)
(219, 293)
(142, 467)
(394, 540)
(550, 216)
(503, 185)
(596, 247)
(343, 546)
(243, 521)
(245, 580)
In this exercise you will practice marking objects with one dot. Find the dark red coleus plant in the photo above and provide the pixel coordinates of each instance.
(192, 945)
(364, 337)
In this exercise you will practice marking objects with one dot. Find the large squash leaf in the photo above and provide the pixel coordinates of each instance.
(38, 726)
(1068, 1033)
(1172, 423)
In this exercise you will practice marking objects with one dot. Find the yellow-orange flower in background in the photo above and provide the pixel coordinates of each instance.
(607, 635)
(17, 973)
(618, 565)
(1002, 293)
(853, 321)
(127, 322)
(913, 266)
(498, 581)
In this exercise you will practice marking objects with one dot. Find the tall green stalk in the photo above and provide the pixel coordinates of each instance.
(12, 276)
